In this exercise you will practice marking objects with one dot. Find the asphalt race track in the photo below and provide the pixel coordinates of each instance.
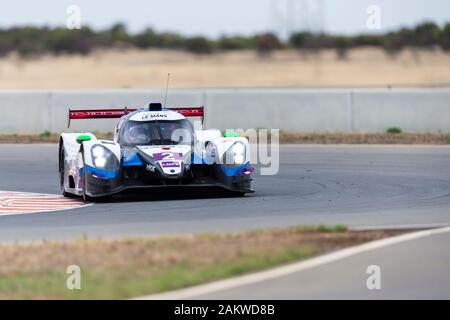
(360, 186)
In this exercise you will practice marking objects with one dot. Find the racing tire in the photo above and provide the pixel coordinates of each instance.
(62, 173)
(85, 197)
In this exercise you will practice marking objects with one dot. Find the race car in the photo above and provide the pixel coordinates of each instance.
(153, 147)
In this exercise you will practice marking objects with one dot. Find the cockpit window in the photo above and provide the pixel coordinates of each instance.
(159, 132)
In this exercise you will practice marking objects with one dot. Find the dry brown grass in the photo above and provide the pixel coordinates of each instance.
(434, 138)
(47, 137)
(166, 251)
(149, 68)
(437, 138)
(125, 268)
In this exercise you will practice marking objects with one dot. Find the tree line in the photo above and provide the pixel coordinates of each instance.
(32, 41)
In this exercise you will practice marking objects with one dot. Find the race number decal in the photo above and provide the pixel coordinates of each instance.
(167, 156)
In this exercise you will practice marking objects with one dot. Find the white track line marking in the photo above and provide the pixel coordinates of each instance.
(221, 285)
(402, 226)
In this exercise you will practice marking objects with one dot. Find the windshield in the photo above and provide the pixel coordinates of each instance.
(160, 132)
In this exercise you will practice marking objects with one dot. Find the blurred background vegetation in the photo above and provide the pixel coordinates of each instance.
(34, 41)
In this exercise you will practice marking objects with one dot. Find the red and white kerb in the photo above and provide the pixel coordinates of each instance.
(12, 203)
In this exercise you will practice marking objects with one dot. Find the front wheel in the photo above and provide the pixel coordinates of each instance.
(85, 197)
(62, 172)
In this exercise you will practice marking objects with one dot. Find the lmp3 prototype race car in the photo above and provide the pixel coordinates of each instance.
(154, 147)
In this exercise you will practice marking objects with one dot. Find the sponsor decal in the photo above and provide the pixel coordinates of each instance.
(143, 148)
(147, 116)
(156, 115)
(170, 164)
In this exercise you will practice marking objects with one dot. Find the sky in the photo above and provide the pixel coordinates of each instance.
(213, 18)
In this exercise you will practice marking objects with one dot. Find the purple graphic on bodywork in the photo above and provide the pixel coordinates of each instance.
(167, 156)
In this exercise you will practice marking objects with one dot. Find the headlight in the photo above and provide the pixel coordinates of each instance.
(98, 151)
(103, 158)
(100, 162)
(235, 154)
(209, 154)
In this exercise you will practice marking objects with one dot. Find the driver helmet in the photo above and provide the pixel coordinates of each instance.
(136, 134)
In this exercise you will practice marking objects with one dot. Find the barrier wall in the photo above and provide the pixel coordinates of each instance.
(368, 110)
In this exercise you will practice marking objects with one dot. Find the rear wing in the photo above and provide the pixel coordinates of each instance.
(118, 113)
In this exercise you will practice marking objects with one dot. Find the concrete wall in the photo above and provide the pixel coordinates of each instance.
(286, 109)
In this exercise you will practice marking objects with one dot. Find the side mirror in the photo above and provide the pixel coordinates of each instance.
(230, 134)
(82, 138)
